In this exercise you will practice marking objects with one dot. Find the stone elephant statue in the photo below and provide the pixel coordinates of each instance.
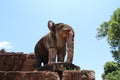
(54, 46)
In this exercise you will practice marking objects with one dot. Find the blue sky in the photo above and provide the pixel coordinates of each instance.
(24, 22)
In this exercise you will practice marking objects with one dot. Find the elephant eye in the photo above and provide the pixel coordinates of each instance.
(65, 32)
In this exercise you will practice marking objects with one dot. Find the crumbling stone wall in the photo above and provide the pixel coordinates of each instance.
(16, 61)
(20, 66)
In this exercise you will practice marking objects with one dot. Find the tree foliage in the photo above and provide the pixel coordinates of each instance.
(111, 30)
(111, 71)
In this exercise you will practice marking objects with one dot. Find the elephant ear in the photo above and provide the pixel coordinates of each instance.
(51, 26)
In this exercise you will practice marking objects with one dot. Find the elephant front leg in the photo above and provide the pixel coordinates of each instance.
(52, 55)
(61, 55)
(70, 55)
(70, 48)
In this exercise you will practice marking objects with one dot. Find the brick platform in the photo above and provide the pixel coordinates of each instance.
(20, 66)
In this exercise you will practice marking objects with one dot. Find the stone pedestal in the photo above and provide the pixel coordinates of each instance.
(20, 66)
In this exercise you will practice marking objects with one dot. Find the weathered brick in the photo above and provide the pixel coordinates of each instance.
(28, 65)
(88, 75)
(42, 75)
(71, 75)
(2, 61)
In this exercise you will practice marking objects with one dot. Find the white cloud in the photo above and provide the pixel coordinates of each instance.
(5, 44)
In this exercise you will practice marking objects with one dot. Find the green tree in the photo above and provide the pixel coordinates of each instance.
(111, 30)
(111, 71)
